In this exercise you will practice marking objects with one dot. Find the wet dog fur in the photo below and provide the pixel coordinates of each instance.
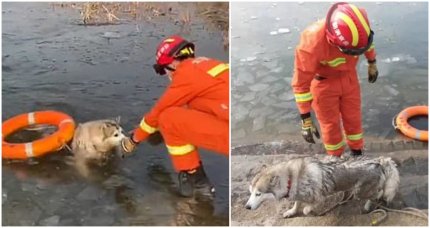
(309, 181)
(94, 142)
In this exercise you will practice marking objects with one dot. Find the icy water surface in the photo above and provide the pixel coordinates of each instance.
(97, 72)
(264, 36)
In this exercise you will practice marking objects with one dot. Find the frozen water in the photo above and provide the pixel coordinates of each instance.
(269, 79)
(278, 87)
(386, 60)
(28, 187)
(287, 96)
(254, 17)
(89, 193)
(278, 19)
(240, 133)
(270, 64)
(247, 97)
(239, 112)
(116, 181)
(262, 73)
(391, 90)
(111, 35)
(277, 70)
(258, 87)
(102, 220)
(4, 196)
(283, 105)
(245, 77)
(50, 221)
(258, 123)
(272, 33)
(401, 58)
(395, 59)
(283, 30)
(251, 58)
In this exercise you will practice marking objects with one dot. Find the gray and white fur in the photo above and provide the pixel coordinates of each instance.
(312, 180)
(95, 141)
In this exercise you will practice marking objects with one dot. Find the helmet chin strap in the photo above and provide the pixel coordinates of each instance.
(168, 67)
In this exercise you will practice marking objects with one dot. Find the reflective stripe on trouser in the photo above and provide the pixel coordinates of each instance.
(184, 157)
(355, 141)
(182, 126)
(336, 103)
(335, 149)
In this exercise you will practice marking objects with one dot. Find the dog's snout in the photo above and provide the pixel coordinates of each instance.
(248, 207)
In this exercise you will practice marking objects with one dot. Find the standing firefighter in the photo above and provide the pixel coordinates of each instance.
(193, 112)
(325, 77)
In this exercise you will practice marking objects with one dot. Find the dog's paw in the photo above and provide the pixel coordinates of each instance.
(289, 213)
(307, 210)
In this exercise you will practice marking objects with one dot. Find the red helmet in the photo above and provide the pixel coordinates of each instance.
(347, 27)
(172, 48)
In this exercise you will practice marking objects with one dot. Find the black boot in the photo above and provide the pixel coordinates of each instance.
(356, 153)
(195, 179)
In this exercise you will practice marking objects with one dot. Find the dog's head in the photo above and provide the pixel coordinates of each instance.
(112, 132)
(267, 184)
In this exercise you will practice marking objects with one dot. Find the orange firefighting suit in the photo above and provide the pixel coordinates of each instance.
(193, 112)
(326, 79)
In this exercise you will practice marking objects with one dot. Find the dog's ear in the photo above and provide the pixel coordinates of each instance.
(117, 120)
(274, 180)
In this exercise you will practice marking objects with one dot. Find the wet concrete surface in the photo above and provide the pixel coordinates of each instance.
(97, 72)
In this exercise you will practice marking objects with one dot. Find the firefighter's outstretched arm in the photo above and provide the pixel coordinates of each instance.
(177, 94)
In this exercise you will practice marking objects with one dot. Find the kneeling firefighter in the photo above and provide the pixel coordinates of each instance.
(193, 111)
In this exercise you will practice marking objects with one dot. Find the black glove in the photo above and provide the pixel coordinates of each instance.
(308, 128)
(372, 71)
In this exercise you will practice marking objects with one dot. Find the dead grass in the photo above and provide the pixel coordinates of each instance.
(214, 14)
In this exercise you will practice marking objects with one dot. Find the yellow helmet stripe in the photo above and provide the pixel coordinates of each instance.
(361, 18)
(351, 26)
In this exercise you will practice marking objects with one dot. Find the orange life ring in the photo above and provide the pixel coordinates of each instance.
(64, 123)
(401, 122)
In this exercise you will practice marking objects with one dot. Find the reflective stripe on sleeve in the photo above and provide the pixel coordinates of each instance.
(147, 128)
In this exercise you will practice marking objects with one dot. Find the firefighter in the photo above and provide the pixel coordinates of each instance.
(325, 77)
(193, 112)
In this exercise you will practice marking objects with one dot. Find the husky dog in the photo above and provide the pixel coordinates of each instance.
(96, 141)
(309, 181)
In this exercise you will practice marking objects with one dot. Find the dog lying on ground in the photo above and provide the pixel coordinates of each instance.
(309, 181)
(95, 142)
